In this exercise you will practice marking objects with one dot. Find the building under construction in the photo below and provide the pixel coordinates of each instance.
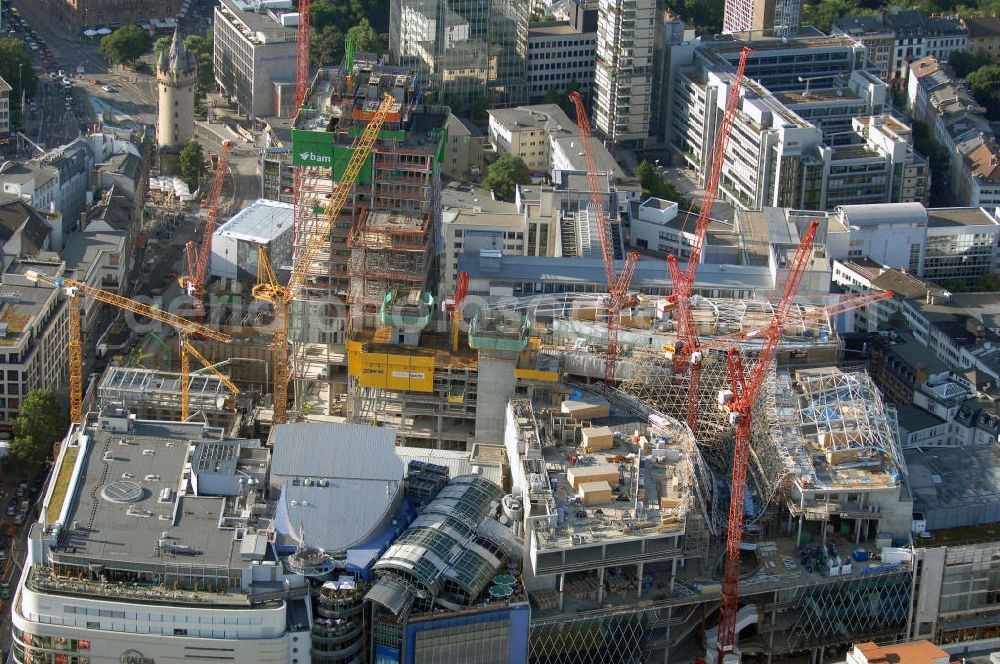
(383, 241)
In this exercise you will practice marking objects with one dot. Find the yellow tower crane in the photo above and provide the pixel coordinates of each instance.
(76, 290)
(316, 246)
(188, 348)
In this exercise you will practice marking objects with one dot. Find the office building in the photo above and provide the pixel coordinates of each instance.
(897, 37)
(176, 75)
(958, 122)
(96, 14)
(936, 244)
(463, 50)
(825, 157)
(34, 323)
(984, 36)
(767, 17)
(560, 57)
(5, 91)
(623, 78)
(255, 48)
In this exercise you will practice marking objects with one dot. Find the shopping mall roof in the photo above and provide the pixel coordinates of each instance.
(441, 546)
(340, 483)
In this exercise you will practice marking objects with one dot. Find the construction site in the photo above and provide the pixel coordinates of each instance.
(680, 478)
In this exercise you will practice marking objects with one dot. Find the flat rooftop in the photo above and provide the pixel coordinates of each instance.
(256, 25)
(818, 96)
(261, 222)
(959, 216)
(117, 514)
(20, 308)
(955, 486)
(548, 117)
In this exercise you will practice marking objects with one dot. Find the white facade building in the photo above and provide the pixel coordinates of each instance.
(234, 243)
(558, 55)
(623, 79)
(147, 566)
(255, 47)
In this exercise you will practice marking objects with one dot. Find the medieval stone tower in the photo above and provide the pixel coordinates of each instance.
(176, 75)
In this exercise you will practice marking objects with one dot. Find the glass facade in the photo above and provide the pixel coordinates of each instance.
(465, 50)
(965, 256)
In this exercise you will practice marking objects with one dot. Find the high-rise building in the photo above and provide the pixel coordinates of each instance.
(464, 49)
(768, 17)
(176, 75)
(623, 78)
(255, 50)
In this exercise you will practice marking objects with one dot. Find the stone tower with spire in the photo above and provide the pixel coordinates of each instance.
(176, 75)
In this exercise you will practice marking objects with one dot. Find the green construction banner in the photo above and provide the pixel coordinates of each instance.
(316, 148)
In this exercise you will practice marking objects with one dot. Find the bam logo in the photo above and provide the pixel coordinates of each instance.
(318, 158)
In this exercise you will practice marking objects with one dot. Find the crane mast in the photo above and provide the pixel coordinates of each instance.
(197, 257)
(618, 284)
(738, 403)
(683, 282)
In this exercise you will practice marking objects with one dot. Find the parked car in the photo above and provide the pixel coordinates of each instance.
(19, 519)
(106, 87)
(11, 510)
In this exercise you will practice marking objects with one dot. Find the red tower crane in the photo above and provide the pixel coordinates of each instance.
(461, 290)
(302, 56)
(197, 258)
(618, 283)
(683, 282)
(738, 402)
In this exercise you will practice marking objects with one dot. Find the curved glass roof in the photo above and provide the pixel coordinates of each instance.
(441, 544)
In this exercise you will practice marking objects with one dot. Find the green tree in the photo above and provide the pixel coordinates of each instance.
(504, 175)
(705, 16)
(326, 46)
(40, 423)
(365, 38)
(478, 109)
(985, 85)
(455, 103)
(988, 283)
(553, 96)
(202, 47)
(955, 285)
(126, 44)
(821, 13)
(964, 63)
(16, 67)
(162, 44)
(191, 161)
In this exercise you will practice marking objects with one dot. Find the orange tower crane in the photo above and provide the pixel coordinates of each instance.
(315, 250)
(738, 403)
(198, 257)
(461, 290)
(76, 290)
(618, 284)
(687, 336)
